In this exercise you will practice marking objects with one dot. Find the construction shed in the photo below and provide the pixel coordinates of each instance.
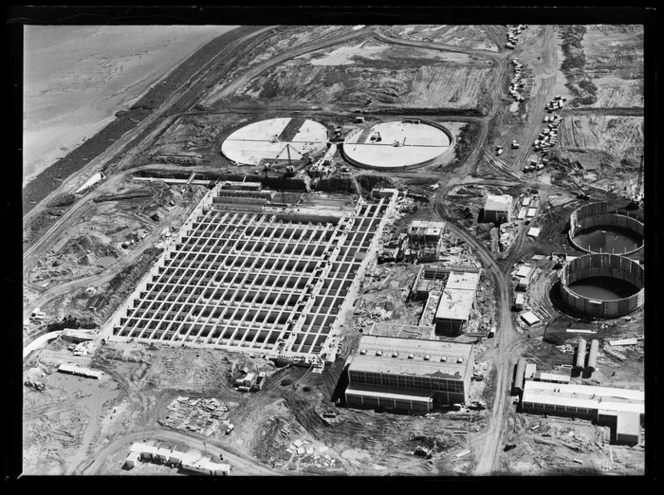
(498, 208)
(73, 369)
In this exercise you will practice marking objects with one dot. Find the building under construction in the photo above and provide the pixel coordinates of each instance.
(456, 303)
(425, 240)
(408, 374)
(254, 277)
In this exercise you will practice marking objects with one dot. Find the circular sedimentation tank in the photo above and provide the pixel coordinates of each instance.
(602, 285)
(594, 230)
(287, 139)
(405, 144)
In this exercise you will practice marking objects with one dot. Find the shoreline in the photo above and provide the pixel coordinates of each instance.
(121, 71)
(49, 179)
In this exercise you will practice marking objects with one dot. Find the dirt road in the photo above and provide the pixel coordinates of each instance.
(240, 464)
(239, 82)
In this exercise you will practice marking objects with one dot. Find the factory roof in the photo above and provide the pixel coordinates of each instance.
(551, 377)
(498, 203)
(530, 318)
(524, 271)
(584, 396)
(417, 365)
(377, 391)
(629, 423)
(463, 281)
(402, 331)
(455, 304)
(79, 370)
(422, 227)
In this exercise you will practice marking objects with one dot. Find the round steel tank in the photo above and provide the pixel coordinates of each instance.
(594, 229)
(624, 276)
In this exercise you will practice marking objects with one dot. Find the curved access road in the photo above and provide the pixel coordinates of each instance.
(240, 464)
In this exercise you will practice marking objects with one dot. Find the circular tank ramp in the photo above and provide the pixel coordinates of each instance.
(281, 139)
(397, 145)
(594, 229)
(602, 285)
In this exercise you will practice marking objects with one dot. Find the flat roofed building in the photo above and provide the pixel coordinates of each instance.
(453, 311)
(463, 281)
(616, 407)
(430, 231)
(456, 303)
(73, 369)
(498, 208)
(392, 368)
(551, 377)
(402, 331)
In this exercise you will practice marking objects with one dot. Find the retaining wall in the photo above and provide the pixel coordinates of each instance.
(597, 215)
(411, 166)
(602, 265)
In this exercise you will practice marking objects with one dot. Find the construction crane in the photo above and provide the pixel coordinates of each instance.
(290, 169)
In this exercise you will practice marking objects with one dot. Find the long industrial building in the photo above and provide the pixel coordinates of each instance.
(254, 277)
(621, 409)
(408, 374)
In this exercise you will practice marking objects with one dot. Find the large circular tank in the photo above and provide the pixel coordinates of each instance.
(594, 230)
(397, 145)
(275, 140)
(602, 285)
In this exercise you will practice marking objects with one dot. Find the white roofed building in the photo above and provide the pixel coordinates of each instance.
(408, 374)
(498, 208)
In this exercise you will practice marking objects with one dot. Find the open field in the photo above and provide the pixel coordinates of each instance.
(475, 37)
(621, 137)
(386, 75)
(614, 61)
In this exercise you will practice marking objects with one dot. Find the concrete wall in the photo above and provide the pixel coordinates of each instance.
(603, 265)
(424, 163)
(597, 215)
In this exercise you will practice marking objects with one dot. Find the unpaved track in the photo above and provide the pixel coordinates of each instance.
(231, 88)
(508, 342)
(240, 464)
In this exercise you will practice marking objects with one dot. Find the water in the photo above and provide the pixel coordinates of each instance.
(603, 288)
(608, 240)
(77, 77)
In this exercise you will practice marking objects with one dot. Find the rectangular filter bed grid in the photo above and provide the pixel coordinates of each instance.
(259, 280)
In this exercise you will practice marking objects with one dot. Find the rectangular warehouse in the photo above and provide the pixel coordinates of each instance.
(254, 278)
(456, 303)
(621, 409)
(498, 208)
(409, 374)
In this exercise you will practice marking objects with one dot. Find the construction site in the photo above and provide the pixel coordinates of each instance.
(350, 250)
